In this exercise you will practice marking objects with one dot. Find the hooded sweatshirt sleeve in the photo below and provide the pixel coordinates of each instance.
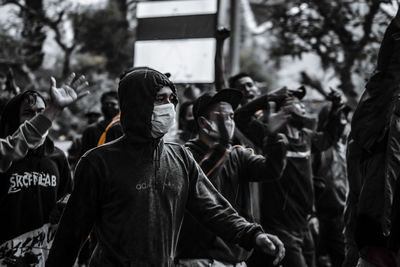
(215, 212)
(28, 136)
(78, 217)
(368, 126)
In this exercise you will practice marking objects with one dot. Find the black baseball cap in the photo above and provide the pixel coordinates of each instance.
(202, 104)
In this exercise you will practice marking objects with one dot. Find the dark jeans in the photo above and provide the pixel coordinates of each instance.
(330, 242)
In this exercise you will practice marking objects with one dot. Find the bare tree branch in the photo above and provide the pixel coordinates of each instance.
(53, 25)
(367, 26)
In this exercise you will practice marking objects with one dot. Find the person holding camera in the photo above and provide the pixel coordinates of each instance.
(287, 205)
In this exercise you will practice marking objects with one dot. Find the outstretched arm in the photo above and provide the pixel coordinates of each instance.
(31, 133)
(330, 134)
(256, 129)
(221, 35)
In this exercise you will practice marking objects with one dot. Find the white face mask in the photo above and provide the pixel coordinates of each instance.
(214, 133)
(162, 119)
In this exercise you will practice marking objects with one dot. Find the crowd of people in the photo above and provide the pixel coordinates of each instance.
(249, 179)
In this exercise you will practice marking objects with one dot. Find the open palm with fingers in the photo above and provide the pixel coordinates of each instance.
(69, 92)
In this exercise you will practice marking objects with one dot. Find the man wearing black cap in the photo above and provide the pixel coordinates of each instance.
(230, 169)
(134, 191)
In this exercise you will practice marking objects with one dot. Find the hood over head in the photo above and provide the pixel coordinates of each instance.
(10, 116)
(137, 92)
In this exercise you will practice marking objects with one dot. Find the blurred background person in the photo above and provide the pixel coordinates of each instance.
(109, 109)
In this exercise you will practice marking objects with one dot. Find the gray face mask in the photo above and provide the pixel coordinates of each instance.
(162, 119)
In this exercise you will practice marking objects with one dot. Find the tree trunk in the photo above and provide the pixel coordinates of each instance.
(120, 58)
(345, 72)
(347, 85)
(66, 64)
(32, 33)
(123, 9)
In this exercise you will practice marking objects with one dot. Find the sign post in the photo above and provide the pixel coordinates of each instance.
(178, 37)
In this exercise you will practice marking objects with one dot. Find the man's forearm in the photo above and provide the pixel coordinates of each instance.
(219, 67)
(214, 211)
(28, 136)
(243, 114)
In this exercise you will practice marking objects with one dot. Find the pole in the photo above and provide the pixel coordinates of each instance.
(235, 37)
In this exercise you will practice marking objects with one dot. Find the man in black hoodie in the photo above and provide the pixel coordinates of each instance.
(230, 169)
(373, 206)
(36, 177)
(133, 191)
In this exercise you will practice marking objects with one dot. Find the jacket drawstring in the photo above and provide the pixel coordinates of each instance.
(156, 158)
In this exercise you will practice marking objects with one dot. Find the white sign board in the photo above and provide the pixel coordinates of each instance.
(169, 40)
(189, 60)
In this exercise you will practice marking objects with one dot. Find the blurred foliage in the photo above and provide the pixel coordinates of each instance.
(344, 34)
(104, 33)
(94, 40)
(252, 61)
(33, 34)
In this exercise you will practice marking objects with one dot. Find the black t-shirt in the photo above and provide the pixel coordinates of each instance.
(287, 202)
(29, 191)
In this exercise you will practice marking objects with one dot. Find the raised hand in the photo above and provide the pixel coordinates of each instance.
(223, 132)
(335, 97)
(69, 92)
(222, 33)
(271, 245)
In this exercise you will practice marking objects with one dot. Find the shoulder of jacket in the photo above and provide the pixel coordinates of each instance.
(173, 144)
(90, 128)
(59, 152)
(98, 151)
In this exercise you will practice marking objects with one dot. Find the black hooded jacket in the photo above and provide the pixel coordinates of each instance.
(134, 191)
(373, 151)
(29, 191)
